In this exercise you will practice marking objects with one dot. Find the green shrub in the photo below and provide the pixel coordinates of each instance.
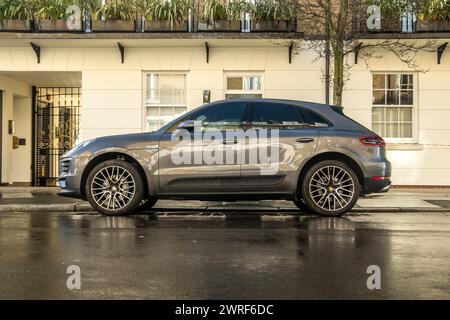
(434, 10)
(113, 10)
(17, 9)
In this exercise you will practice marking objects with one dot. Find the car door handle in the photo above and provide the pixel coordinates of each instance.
(230, 141)
(304, 140)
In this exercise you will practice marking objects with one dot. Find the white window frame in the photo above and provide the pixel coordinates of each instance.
(144, 95)
(414, 106)
(242, 74)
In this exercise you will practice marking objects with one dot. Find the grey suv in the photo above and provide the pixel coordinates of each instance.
(232, 150)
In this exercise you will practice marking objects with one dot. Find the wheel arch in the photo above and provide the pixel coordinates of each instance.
(331, 156)
(111, 156)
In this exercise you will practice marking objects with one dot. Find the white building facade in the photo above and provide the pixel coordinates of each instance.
(160, 79)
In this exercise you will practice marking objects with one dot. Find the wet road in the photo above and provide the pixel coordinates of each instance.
(225, 257)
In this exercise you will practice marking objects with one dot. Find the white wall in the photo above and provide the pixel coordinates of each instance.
(113, 92)
(427, 161)
(21, 157)
(11, 88)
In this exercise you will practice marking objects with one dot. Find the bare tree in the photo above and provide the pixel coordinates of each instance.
(340, 27)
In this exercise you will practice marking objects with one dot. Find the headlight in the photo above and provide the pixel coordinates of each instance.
(76, 149)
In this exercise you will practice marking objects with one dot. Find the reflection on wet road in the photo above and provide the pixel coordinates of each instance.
(230, 257)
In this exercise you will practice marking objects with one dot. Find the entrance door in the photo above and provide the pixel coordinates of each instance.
(57, 124)
(1, 133)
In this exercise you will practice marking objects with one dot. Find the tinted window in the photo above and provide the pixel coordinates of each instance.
(313, 118)
(273, 114)
(220, 116)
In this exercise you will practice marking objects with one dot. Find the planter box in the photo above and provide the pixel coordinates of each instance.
(114, 26)
(433, 26)
(220, 26)
(54, 26)
(391, 25)
(166, 26)
(387, 25)
(272, 26)
(16, 25)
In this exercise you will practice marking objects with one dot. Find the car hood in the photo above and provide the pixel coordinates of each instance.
(123, 142)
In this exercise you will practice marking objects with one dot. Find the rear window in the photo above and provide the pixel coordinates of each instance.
(313, 118)
(274, 113)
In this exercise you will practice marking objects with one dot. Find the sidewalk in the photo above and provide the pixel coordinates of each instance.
(27, 199)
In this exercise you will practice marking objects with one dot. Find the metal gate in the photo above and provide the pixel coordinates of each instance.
(56, 129)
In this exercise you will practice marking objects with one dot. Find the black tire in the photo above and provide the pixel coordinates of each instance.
(331, 198)
(127, 194)
(301, 205)
(147, 204)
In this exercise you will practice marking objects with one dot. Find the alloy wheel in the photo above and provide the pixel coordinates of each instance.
(332, 188)
(113, 188)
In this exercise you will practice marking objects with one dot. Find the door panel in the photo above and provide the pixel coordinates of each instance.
(206, 159)
(290, 141)
(288, 152)
(193, 167)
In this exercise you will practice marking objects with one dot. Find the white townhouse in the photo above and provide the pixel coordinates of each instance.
(60, 88)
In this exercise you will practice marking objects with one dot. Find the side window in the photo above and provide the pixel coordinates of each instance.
(220, 116)
(276, 115)
(313, 118)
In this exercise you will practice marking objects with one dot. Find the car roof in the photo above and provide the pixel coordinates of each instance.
(330, 112)
(272, 100)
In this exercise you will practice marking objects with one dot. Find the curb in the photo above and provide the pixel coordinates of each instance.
(84, 207)
(37, 208)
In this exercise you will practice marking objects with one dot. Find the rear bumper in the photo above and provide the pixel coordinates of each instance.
(376, 186)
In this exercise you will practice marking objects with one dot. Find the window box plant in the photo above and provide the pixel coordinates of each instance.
(273, 16)
(113, 16)
(16, 15)
(220, 17)
(434, 16)
(165, 16)
(391, 15)
(51, 16)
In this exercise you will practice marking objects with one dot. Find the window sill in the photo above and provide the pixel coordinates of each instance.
(404, 146)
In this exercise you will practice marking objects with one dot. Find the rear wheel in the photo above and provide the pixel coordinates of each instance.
(114, 187)
(330, 188)
(146, 204)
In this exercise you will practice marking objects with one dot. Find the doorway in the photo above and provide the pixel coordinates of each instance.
(56, 128)
(1, 131)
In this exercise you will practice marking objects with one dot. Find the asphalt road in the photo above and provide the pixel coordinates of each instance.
(232, 257)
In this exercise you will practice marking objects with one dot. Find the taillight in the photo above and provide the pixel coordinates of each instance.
(380, 178)
(372, 141)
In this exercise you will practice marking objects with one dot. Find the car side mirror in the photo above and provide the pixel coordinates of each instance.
(186, 125)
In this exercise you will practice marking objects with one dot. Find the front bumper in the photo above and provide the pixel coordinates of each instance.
(70, 176)
(69, 194)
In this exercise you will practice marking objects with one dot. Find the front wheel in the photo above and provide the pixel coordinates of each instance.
(330, 188)
(114, 187)
(301, 205)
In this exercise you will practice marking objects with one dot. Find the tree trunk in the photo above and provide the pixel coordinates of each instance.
(338, 74)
